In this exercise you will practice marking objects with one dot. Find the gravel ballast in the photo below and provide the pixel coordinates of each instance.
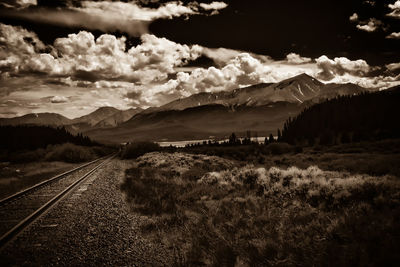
(92, 226)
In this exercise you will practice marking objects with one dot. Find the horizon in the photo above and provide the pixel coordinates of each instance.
(71, 58)
(97, 108)
(146, 108)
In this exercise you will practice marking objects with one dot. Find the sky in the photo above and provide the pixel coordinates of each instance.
(72, 57)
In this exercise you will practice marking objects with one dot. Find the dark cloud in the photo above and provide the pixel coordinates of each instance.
(134, 95)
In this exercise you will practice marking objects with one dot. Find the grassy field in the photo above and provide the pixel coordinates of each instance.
(22, 169)
(213, 211)
(66, 152)
(15, 177)
(374, 158)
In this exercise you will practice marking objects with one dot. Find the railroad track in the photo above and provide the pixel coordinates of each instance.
(20, 210)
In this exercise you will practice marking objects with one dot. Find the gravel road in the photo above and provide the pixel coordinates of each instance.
(91, 227)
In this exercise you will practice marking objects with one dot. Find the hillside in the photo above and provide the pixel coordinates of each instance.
(47, 119)
(261, 108)
(368, 116)
(101, 118)
(96, 116)
(298, 90)
(22, 137)
(199, 123)
(118, 117)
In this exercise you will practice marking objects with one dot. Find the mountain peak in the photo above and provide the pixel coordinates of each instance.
(101, 109)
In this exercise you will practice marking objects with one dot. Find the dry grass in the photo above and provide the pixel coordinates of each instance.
(211, 213)
(16, 177)
(63, 152)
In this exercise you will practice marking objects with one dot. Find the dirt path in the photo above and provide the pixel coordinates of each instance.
(91, 227)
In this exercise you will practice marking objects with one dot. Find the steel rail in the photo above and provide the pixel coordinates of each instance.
(43, 183)
(12, 233)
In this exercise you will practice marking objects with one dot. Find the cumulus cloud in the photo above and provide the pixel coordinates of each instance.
(240, 71)
(17, 46)
(294, 58)
(213, 6)
(58, 99)
(370, 26)
(354, 17)
(220, 55)
(340, 66)
(394, 35)
(395, 10)
(84, 57)
(101, 71)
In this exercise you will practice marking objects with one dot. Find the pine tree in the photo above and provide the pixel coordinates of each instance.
(271, 138)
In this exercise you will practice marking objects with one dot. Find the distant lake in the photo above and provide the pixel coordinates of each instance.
(260, 140)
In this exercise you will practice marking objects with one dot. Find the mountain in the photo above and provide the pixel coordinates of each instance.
(199, 123)
(96, 116)
(100, 118)
(298, 89)
(48, 119)
(118, 118)
(261, 108)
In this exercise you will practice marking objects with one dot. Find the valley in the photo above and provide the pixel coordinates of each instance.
(260, 108)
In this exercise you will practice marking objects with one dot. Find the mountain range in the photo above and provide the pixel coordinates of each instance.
(100, 118)
(261, 108)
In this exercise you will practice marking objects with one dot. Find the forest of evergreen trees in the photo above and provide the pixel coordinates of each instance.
(369, 116)
(21, 137)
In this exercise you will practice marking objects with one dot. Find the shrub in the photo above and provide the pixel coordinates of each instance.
(249, 216)
(137, 149)
(25, 156)
(69, 153)
(279, 148)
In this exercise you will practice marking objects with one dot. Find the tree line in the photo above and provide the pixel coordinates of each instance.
(24, 137)
(344, 119)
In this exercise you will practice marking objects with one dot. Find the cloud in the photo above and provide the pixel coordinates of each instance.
(84, 57)
(370, 26)
(369, 2)
(393, 66)
(294, 58)
(131, 11)
(393, 35)
(242, 70)
(340, 66)
(17, 46)
(91, 72)
(107, 16)
(354, 17)
(395, 10)
(18, 3)
(220, 55)
(58, 99)
(71, 18)
(213, 6)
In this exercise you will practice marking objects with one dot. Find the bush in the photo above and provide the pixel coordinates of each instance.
(248, 216)
(137, 149)
(279, 148)
(24, 156)
(70, 153)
